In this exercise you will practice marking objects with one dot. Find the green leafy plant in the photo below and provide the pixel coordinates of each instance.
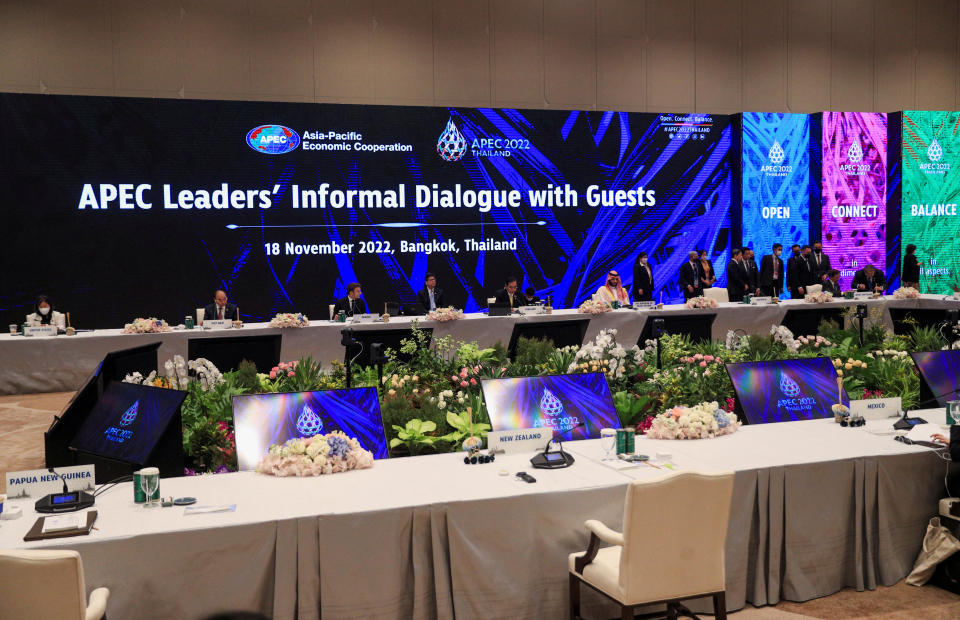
(462, 427)
(533, 351)
(926, 339)
(633, 408)
(414, 435)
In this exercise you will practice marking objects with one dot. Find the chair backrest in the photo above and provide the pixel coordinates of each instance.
(675, 532)
(720, 295)
(491, 300)
(42, 584)
(813, 289)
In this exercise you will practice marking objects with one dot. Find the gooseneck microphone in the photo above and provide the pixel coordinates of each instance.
(558, 459)
(62, 479)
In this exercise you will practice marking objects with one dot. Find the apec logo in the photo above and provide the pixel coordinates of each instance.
(794, 400)
(273, 139)
(934, 154)
(130, 414)
(776, 156)
(451, 146)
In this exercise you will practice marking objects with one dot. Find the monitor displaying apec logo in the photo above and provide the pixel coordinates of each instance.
(794, 400)
(273, 139)
(117, 435)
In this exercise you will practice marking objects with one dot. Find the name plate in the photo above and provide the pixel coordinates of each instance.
(642, 305)
(876, 408)
(863, 295)
(41, 330)
(40, 482)
(365, 318)
(218, 324)
(520, 440)
(757, 301)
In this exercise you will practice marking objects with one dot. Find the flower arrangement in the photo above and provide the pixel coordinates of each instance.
(701, 302)
(814, 342)
(605, 355)
(783, 335)
(906, 292)
(698, 377)
(818, 298)
(703, 421)
(443, 315)
(868, 394)
(889, 353)
(850, 364)
(593, 307)
(313, 456)
(289, 319)
(152, 325)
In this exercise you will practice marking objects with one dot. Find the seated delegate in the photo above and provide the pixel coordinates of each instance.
(353, 303)
(508, 294)
(220, 309)
(612, 290)
(44, 314)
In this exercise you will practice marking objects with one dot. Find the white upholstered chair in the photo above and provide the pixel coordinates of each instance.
(40, 584)
(719, 295)
(671, 548)
(813, 289)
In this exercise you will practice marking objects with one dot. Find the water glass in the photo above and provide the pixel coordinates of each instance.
(14, 330)
(149, 482)
(608, 441)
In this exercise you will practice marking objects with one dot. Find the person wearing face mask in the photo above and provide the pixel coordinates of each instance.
(771, 272)
(220, 308)
(706, 267)
(819, 263)
(691, 276)
(798, 272)
(613, 290)
(44, 314)
(642, 278)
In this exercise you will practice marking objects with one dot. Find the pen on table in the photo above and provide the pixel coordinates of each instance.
(652, 465)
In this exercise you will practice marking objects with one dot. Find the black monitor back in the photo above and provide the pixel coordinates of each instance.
(226, 352)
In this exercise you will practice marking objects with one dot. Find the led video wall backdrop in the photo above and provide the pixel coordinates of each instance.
(854, 188)
(124, 207)
(931, 191)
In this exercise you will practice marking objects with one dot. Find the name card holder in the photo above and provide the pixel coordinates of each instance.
(876, 408)
(40, 482)
(759, 301)
(642, 305)
(41, 330)
(863, 295)
(520, 440)
(218, 324)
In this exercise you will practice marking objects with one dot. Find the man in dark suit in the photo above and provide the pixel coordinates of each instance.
(771, 272)
(737, 277)
(691, 277)
(798, 273)
(353, 303)
(221, 308)
(508, 294)
(430, 297)
(832, 283)
(819, 263)
(868, 278)
(753, 274)
(642, 279)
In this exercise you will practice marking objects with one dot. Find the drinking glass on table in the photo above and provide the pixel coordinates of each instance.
(149, 481)
(608, 441)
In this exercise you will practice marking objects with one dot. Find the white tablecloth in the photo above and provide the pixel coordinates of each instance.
(62, 363)
(816, 508)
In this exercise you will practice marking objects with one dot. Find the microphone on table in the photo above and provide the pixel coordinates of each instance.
(62, 479)
(67, 501)
(555, 460)
(906, 423)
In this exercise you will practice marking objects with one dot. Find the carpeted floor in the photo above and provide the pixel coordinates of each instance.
(24, 418)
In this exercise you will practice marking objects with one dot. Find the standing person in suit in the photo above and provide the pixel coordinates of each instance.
(737, 278)
(797, 273)
(911, 268)
(771, 272)
(691, 277)
(706, 268)
(642, 278)
(353, 303)
(819, 263)
(508, 294)
(753, 274)
(44, 314)
(832, 283)
(221, 308)
(869, 279)
(430, 297)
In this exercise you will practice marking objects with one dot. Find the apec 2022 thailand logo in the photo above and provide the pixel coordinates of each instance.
(793, 400)
(117, 435)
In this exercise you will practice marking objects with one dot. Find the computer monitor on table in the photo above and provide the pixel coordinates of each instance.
(261, 420)
(574, 406)
(940, 376)
(785, 390)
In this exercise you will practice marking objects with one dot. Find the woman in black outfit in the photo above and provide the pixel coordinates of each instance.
(911, 268)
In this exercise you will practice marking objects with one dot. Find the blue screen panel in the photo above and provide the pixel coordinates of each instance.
(261, 420)
(128, 421)
(776, 180)
(561, 402)
(941, 371)
(786, 390)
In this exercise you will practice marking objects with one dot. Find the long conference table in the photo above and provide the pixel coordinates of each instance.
(62, 363)
(816, 508)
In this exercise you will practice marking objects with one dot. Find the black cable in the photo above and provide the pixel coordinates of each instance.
(106, 486)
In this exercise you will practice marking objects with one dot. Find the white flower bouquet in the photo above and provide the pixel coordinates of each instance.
(443, 315)
(314, 456)
(594, 307)
(818, 298)
(605, 355)
(701, 302)
(289, 319)
(152, 325)
(906, 292)
(703, 421)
